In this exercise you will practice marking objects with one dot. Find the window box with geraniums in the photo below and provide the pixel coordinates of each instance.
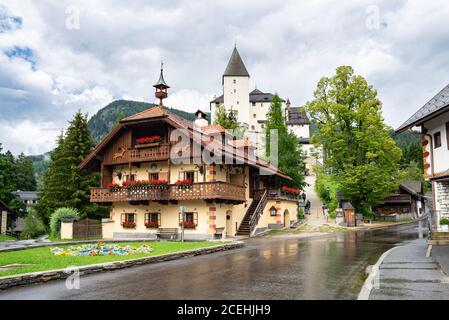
(128, 225)
(152, 225)
(184, 183)
(188, 225)
(289, 190)
(113, 186)
(148, 141)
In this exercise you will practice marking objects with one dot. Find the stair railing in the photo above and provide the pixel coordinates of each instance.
(258, 211)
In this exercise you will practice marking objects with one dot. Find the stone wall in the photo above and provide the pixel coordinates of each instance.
(442, 197)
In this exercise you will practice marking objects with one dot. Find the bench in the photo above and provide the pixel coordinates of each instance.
(167, 233)
(219, 233)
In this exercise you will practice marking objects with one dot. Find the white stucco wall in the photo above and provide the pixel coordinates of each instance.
(236, 96)
(441, 154)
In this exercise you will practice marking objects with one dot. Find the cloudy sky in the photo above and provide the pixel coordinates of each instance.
(60, 56)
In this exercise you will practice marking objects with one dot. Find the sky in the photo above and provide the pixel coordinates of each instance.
(57, 57)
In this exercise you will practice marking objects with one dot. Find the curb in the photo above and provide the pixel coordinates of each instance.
(368, 285)
(49, 275)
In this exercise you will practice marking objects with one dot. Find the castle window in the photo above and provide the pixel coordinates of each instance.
(253, 128)
(235, 90)
(273, 212)
(235, 81)
(254, 104)
(254, 115)
(154, 176)
(237, 102)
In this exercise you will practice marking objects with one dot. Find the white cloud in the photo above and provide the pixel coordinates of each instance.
(287, 47)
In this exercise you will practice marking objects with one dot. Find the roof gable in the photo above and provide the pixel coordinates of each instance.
(437, 103)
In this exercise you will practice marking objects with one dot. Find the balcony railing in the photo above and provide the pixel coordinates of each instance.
(156, 152)
(275, 194)
(203, 190)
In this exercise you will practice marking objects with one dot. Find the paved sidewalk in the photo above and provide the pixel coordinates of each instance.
(407, 274)
(316, 217)
(23, 243)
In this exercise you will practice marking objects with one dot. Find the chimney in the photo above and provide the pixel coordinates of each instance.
(201, 119)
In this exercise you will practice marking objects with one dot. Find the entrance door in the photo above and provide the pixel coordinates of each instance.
(286, 219)
(229, 227)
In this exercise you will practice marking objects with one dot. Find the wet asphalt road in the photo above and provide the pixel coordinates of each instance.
(331, 267)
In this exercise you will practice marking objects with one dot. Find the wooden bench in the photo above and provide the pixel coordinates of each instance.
(167, 233)
(219, 233)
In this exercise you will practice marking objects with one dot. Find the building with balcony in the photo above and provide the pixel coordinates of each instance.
(155, 162)
(433, 121)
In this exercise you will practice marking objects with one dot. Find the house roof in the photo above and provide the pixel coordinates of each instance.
(297, 116)
(254, 97)
(27, 195)
(161, 82)
(178, 122)
(413, 187)
(437, 105)
(235, 66)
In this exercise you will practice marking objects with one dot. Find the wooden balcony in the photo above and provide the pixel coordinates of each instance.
(221, 191)
(275, 194)
(154, 152)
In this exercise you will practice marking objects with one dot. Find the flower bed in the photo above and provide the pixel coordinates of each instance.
(188, 225)
(128, 225)
(147, 140)
(145, 183)
(100, 249)
(290, 190)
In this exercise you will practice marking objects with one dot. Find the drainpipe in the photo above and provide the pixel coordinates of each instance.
(424, 131)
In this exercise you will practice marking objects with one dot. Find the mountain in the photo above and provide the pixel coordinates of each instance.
(105, 119)
(102, 123)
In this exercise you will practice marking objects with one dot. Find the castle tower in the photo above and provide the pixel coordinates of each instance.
(236, 88)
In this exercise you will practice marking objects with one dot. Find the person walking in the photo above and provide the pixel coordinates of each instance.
(324, 207)
(307, 207)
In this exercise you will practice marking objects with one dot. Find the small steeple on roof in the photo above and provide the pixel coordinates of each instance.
(236, 67)
(161, 82)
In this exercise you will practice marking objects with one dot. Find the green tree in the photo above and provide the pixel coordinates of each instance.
(290, 155)
(358, 147)
(24, 173)
(228, 120)
(64, 185)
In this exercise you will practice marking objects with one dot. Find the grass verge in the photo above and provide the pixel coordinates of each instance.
(41, 259)
(6, 238)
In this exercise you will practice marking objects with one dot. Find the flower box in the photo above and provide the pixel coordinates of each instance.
(184, 183)
(113, 186)
(148, 140)
(188, 225)
(128, 225)
(147, 145)
(290, 190)
(152, 225)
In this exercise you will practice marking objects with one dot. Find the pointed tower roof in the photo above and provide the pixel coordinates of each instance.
(161, 82)
(236, 67)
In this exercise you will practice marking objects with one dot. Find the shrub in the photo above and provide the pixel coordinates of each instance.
(34, 226)
(333, 214)
(300, 213)
(326, 188)
(59, 215)
(444, 221)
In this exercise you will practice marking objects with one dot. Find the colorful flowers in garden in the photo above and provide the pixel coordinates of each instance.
(146, 140)
(290, 190)
(100, 249)
(145, 183)
(188, 225)
(186, 182)
(128, 224)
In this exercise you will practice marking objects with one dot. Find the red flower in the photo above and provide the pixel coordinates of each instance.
(291, 190)
(128, 225)
(185, 182)
(152, 224)
(188, 225)
(146, 140)
(112, 185)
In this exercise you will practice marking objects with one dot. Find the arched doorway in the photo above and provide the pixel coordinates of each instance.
(286, 219)
(229, 227)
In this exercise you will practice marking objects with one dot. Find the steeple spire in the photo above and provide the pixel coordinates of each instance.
(236, 67)
(161, 86)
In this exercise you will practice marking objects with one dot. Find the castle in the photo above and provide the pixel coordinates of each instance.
(252, 107)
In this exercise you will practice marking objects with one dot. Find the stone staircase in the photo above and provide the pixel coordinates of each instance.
(438, 238)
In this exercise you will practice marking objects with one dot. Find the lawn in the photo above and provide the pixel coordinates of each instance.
(6, 238)
(41, 259)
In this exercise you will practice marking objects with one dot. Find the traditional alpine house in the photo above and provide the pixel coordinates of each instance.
(150, 175)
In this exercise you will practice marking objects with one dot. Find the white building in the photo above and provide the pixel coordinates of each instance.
(433, 118)
(252, 107)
